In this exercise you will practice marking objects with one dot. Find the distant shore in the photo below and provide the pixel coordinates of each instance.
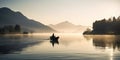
(92, 33)
(15, 33)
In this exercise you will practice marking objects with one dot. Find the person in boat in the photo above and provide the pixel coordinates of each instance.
(53, 37)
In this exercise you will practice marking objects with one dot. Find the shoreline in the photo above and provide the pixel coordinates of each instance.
(99, 34)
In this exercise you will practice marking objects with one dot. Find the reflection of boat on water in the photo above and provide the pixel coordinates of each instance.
(54, 39)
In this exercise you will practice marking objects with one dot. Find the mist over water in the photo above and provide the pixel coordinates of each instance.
(72, 46)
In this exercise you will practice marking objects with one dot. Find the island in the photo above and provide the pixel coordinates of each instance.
(109, 26)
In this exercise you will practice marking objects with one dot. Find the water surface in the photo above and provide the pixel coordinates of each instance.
(71, 46)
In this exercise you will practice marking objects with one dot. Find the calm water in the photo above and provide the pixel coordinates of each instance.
(70, 47)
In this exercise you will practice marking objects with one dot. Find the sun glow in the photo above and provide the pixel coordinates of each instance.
(110, 52)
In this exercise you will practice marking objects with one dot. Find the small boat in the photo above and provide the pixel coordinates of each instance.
(54, 38)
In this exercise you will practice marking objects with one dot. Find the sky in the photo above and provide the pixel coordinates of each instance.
(79, 12)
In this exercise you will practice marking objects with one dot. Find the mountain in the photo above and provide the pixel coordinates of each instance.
(10, 17)
(67, 26)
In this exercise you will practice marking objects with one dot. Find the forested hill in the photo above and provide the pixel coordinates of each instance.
(105, 26)
(10, 17)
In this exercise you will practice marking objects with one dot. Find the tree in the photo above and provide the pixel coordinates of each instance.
(114, 19)
(17, 28)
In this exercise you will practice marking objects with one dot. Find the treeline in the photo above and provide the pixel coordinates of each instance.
(10, 29)
(105, 26)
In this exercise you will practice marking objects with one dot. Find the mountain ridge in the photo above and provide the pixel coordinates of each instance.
(10, 17)
(67, 26)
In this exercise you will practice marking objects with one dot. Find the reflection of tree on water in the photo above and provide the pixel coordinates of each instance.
(15, 44)
(103, 41)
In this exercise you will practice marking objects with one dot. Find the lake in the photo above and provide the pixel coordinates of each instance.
(70, 46)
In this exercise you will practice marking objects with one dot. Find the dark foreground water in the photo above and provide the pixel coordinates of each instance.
(70, 46)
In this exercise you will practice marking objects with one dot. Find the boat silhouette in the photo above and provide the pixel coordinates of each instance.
(54, 39)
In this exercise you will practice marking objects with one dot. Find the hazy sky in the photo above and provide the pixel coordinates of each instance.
(79, 12)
